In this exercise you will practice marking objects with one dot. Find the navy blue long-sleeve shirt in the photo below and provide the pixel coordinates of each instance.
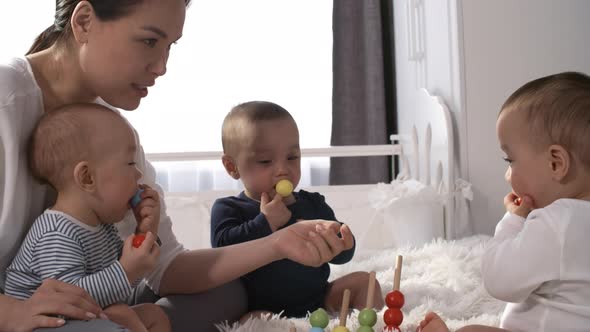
(282, 285)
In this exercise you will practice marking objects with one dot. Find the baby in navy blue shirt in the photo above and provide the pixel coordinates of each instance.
(261, 147)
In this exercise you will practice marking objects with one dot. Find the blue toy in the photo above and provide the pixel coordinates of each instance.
(136, 199)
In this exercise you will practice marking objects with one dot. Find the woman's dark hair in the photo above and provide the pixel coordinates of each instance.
(106, 10)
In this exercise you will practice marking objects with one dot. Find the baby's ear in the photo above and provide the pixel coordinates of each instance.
(230, 166)
(560, 161)
(83, 176)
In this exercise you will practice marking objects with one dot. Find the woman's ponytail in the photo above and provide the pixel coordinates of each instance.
(60, 27)
(45, 40)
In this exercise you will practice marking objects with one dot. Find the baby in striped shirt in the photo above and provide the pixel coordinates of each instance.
(86, 152)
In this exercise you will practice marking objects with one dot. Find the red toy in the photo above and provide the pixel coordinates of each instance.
(138, 240)
(395, 299)
(393, 316)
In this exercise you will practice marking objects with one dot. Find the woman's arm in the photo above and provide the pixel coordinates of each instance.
(53, 298)
(183, 272)
(310, 242)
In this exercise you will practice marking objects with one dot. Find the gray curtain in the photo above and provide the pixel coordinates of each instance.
(363, 97)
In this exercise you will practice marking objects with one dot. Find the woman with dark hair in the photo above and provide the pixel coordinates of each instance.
(111, 52)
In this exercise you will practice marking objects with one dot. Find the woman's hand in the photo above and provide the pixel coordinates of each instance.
(312, 242)
(520, 206)
(52, 298)
(147, 212)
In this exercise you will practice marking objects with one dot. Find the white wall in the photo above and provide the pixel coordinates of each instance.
(476, 53)
(507, 43)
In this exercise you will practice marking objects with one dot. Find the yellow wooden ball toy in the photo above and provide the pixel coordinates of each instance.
(340, 329)
(284, 187)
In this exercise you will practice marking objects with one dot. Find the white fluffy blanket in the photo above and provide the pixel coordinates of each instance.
(441, 276)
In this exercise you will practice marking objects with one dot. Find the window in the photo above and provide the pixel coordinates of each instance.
(20, 23)
(231, 51)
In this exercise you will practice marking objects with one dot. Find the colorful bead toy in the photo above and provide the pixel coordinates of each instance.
(318, 320)
(393, 316)
(343, 312)
(368, 317)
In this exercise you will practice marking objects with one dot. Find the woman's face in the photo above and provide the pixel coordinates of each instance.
(122, 58)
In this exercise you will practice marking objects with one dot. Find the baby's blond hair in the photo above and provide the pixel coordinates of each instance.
(242, 116)
(60, 140)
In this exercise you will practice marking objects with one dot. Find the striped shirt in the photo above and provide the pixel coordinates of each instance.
(60, 247)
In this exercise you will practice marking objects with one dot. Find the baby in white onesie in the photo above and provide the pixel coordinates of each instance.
(538, 260)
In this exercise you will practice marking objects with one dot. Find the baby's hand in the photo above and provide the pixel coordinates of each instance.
(276, 212)
(137, 262)
(147, 211)
(520, 206)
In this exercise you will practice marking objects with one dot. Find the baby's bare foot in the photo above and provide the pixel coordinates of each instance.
(432, 323)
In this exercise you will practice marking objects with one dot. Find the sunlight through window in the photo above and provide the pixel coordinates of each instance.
(231, 51)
